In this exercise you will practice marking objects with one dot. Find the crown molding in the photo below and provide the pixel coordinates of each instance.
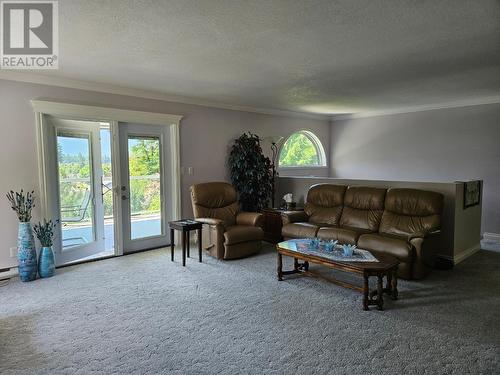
(128, 91)
(420, 108)
(103, 113)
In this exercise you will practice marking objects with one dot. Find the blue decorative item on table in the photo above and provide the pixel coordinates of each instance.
(45, 234)
(348, 250)
(314, 243)
(330, 245)
(23, 203)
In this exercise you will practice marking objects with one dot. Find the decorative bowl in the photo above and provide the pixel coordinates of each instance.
(348, 250)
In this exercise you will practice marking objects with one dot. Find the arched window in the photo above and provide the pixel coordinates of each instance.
(302, 149)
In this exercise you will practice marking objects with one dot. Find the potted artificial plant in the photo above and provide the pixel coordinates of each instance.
(23, 203)
(45, 234)
(250, 172)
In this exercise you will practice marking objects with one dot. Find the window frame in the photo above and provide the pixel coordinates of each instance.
(320, 150)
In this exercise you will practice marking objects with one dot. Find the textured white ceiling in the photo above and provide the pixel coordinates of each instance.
(309, 56)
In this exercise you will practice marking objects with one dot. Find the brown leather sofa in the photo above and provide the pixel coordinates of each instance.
(392, 221)
(228, 233)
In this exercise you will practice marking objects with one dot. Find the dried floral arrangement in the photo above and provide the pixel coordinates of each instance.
(22, 203)
(45, 232)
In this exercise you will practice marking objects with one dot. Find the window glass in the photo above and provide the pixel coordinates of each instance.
(301, 149)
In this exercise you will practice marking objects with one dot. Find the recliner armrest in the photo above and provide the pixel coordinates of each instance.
(210, 221)
(254, 219)
(293, 217)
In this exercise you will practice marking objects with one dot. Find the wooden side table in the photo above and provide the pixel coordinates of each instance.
(273, 223)
(185, 226)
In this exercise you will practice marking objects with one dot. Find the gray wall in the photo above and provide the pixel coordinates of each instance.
(440, 145)
(206, 135)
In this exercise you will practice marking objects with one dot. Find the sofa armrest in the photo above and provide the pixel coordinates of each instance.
(423, 235)
(293, 217)
(424, 255)
(250, 218)
(210, 221)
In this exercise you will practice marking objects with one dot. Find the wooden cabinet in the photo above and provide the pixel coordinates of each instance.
(273, 223)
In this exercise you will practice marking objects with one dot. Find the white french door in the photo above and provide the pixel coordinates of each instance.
(145, 190)
(76, 193)
(110, 181)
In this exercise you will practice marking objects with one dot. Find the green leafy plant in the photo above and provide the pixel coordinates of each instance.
(45, 232)
(298, 150)
(22, 203)
(250, 172)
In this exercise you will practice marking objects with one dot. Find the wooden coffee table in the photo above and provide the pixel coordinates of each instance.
(387, 266)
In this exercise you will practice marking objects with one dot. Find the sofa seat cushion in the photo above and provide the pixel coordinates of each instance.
(396, 247)
(242, 233)
(299, 230)
(343, 235)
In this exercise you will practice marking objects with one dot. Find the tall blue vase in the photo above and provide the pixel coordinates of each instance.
(26, 253)
(46, 266)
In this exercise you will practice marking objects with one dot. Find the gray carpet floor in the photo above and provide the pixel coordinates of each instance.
(142, 314)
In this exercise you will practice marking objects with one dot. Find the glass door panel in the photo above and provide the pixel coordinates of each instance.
(145, 187)
(144, 191)
(75, 199)
(75, 189)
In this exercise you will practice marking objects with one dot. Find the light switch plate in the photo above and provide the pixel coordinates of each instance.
(13, 252)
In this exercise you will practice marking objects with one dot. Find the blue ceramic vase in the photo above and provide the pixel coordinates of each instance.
(26, 254)
(46, 266)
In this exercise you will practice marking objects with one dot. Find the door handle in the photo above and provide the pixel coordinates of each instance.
(124, 197)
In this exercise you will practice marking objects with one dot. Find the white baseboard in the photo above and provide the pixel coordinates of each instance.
(491, 236)
(466, 253)
(491, 241)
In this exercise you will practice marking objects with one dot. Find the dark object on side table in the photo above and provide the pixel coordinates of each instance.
(185, 226)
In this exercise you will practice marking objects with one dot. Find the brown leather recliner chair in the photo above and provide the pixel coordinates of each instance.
(228, 233)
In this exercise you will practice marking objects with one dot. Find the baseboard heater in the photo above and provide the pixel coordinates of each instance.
(7, 273)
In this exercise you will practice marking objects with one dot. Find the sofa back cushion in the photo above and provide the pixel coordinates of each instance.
(215, 200)
(410, 211)
(324, 203)
(363, 208)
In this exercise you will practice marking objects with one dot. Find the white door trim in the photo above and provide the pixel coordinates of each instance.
(117, 202)
(103, 113)
(114, 116)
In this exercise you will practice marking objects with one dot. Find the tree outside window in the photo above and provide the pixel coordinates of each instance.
(301, 149)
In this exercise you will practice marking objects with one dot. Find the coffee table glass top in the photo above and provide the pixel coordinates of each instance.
(303, 246)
